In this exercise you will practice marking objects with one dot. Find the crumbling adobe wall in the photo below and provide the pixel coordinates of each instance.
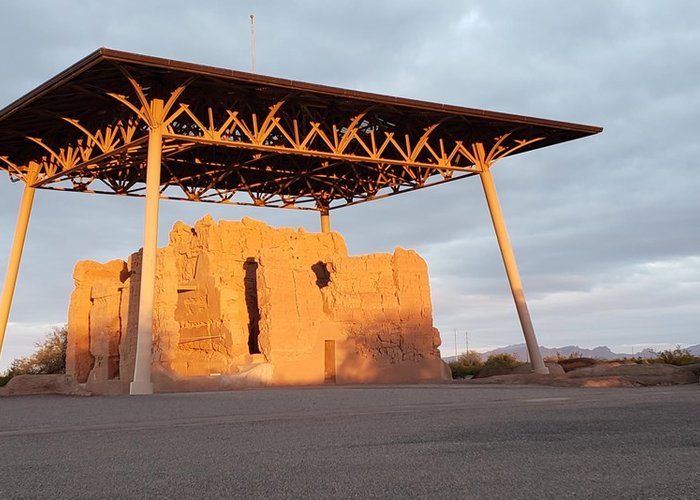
(94, 319)
(257, 305)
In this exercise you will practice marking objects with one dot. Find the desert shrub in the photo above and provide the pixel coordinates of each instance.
(50, 357)
(676, 356)
(558, 357)
(504, 359)
(466, 364)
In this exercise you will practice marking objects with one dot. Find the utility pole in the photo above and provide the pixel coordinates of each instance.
(466, 339)
(252, 42)
(456, 343)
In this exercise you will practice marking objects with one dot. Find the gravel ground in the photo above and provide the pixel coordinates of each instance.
(429, 441)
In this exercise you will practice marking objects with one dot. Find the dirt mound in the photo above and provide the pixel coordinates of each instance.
(24, 385)
(576, 363)
(524, 369)
(640, 374)
(601, 375)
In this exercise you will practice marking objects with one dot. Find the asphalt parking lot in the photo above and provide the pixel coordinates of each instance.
(429, 441)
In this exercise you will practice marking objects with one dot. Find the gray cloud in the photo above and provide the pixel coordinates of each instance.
(605, 229)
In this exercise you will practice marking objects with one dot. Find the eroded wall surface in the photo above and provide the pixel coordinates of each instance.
(241, 303)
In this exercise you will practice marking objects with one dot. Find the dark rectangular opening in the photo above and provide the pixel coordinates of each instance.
(251, 301)
(329, 364)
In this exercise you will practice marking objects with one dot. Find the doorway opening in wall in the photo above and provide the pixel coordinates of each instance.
(329, 363)
(251, 301)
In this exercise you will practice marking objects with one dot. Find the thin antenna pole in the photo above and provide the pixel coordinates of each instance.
(252, 42)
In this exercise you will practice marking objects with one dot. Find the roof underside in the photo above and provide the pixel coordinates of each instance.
(233, 137)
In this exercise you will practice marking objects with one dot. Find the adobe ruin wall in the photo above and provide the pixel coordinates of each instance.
(240, 304)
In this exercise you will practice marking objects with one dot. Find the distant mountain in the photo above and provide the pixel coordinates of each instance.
(600, 352)
(520, 352)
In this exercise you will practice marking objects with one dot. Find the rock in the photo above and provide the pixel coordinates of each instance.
(283, 306)
(23, 385)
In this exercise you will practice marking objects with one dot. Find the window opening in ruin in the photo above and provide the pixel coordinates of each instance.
(114, 343)
(113, 367)
(329, 365)
(251, 301)
(323, 276)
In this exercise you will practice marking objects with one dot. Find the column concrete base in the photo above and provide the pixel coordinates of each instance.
(140, 387)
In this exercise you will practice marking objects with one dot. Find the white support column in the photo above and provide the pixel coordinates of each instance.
(516, 285)
(144, 343)
(325, 221)
(13, 262)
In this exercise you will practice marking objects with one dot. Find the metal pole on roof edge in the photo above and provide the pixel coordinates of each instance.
(325, 221)
(516, 285)
(141, 383)
(13, 262)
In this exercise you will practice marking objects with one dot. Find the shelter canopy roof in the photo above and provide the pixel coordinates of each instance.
(235, 137)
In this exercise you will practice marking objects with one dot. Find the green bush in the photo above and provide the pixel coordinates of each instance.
(676, 356)
(504, 359)
(50, 357)
(466, 364)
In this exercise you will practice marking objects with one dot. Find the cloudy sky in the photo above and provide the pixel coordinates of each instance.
(606, 229)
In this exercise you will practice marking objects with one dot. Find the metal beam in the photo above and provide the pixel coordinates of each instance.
(25, 211)
(516, 285)
(380, 156)
(141, 383)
